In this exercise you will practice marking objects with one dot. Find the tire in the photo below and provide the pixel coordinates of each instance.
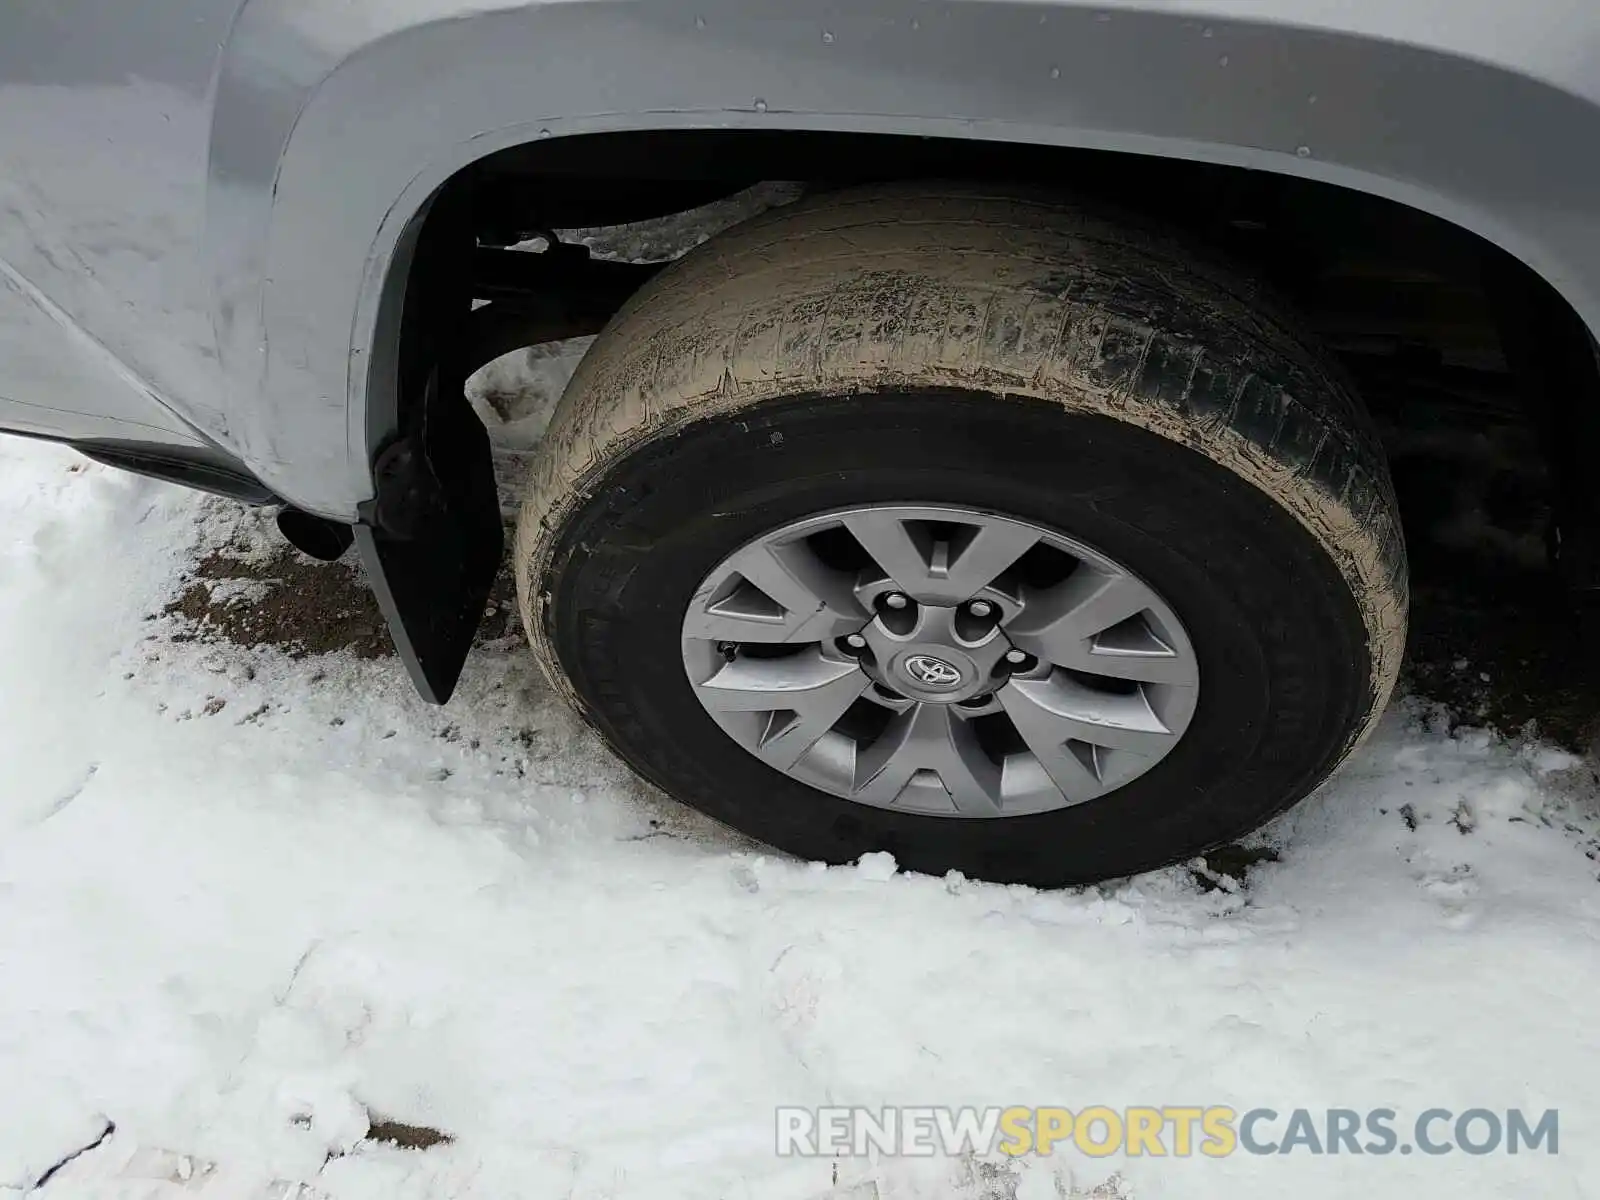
(1010, 355)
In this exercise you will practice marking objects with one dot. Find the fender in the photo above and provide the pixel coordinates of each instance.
(333, 125)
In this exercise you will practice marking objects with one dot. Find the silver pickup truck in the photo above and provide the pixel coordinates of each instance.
(1009, 500)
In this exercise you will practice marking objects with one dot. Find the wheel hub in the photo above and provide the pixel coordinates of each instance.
(933, 653)
(940, 660)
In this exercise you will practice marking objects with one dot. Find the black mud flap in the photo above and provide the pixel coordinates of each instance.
(431, 538)
(432, 541)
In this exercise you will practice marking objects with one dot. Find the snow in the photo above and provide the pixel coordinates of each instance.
(240, 933)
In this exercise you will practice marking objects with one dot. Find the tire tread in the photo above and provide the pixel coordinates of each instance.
(950, 286)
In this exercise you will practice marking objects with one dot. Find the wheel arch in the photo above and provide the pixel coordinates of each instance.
(310, 238)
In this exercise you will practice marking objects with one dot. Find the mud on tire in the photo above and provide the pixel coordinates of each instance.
(1013, 354)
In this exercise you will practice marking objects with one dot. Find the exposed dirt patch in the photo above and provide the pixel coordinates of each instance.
(301, 606)
(407, 1137)
(285, 600)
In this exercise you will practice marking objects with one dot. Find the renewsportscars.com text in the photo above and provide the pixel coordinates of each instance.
(1215, 1131)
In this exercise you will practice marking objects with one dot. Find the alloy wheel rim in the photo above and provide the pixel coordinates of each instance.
(940, 660)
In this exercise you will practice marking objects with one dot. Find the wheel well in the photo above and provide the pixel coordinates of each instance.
(1396, 292)
(1440, 329)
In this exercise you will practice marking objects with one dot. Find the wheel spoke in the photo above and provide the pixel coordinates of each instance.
(774, 594)
(805, 694)
(1058, 624)
(1052, 712)
(1164, 665)
(887, 539)
(1076, 779)
(939, 570)
(992, 549)
(928, 757)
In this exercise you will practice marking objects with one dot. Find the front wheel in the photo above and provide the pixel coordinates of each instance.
(969, 528)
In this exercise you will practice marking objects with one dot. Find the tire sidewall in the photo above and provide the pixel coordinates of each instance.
(1284, 673)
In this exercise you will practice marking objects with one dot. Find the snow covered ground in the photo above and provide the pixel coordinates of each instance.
(252, 904)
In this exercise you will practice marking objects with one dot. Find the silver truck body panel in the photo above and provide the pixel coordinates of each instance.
(204, 204)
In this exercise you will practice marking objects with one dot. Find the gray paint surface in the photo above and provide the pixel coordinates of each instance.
(203, 203)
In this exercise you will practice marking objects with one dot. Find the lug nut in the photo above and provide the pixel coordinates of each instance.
(895, 600)
(1016, 657)
(856, 642)
(980, 608)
